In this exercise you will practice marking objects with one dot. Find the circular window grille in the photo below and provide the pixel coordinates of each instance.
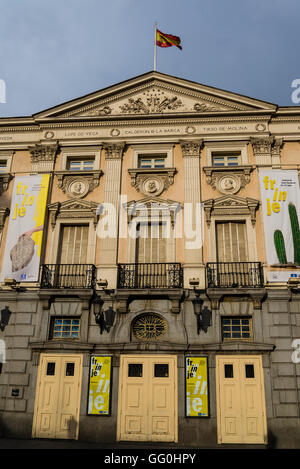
(149, 326)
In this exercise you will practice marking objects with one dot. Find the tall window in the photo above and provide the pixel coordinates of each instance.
(73, 244)
(151, 245)
(231, 242)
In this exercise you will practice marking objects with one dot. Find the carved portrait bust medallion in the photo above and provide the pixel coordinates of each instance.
(229, 184)
(151, 185)
(77, 187)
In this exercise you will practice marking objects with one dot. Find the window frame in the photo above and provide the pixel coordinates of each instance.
(80, 153)
(240, 318)
(6, 156)
(153, 151)
(64, 318)
(82, 162)
(152, 160)
(226, 156)
(225, 148)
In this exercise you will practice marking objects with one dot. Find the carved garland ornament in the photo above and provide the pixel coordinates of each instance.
(228, 181)
(153, 104)
(78, 185)
(152, 184)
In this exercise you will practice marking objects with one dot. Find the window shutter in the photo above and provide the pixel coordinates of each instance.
(231, 242)
(73, 246)
(152, 248)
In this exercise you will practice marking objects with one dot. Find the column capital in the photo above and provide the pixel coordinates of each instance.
(114, 151)
(41, 152)
(191, 148)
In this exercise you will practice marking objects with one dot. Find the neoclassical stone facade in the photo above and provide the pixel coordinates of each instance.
(154, 254)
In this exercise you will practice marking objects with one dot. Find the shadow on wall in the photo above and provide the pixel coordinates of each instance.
(272, 440)
(72, 427)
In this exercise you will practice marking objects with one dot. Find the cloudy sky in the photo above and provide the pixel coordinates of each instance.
(54, 51)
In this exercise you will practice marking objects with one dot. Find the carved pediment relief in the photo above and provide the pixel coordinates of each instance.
(159, 100)
(155, 93)
(230, 205)
(152, 208)
(73, 208)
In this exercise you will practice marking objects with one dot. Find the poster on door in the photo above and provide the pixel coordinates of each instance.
(99, 386)
(280, 194)
(25, 228)
(196, 388)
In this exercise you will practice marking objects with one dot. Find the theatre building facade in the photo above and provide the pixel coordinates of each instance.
(150, 268)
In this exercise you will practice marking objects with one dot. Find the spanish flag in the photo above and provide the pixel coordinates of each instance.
(167, 40)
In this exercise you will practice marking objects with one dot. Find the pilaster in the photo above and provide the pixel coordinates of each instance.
(193, 264)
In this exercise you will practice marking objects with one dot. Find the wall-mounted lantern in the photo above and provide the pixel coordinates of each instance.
(105, 319)
(203, 315)
(5, 315)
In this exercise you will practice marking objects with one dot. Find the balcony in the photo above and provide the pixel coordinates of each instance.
(234, 275)
(75, 276)
(150, 275)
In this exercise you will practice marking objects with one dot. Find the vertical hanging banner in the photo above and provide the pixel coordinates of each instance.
(196, 387)
(280, 194)
(99, 386)
(25, 228)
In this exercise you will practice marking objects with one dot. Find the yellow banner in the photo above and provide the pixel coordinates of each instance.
(99, 386)
(25, 228)
(196, 387)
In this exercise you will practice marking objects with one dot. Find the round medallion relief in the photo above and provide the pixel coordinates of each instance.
(152, 186)
(78, 188)
(229, 184)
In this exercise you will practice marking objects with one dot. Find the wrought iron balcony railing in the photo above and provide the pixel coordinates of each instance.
(150, 275)
(68, 276)
(234, 275)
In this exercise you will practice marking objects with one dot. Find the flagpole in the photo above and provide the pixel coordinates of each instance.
(155, 46)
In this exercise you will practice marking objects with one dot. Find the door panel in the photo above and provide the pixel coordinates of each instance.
(240, 400)
(148, 401)
(57, 401)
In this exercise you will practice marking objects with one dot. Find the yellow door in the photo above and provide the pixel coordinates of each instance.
(56, 413)
(147, 398)
(241, 400)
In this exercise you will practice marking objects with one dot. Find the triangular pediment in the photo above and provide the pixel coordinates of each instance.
(154, 94)
(73, 209)
(73, 204)
(151, 203)
(231, 201)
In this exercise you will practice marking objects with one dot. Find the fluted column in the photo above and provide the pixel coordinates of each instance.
(112, 185)
(193, 265)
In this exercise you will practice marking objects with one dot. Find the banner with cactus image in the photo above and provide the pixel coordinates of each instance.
(280, 198)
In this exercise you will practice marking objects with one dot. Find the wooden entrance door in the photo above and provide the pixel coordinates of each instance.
(57, 402)
(240, 400)
(148, 398)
